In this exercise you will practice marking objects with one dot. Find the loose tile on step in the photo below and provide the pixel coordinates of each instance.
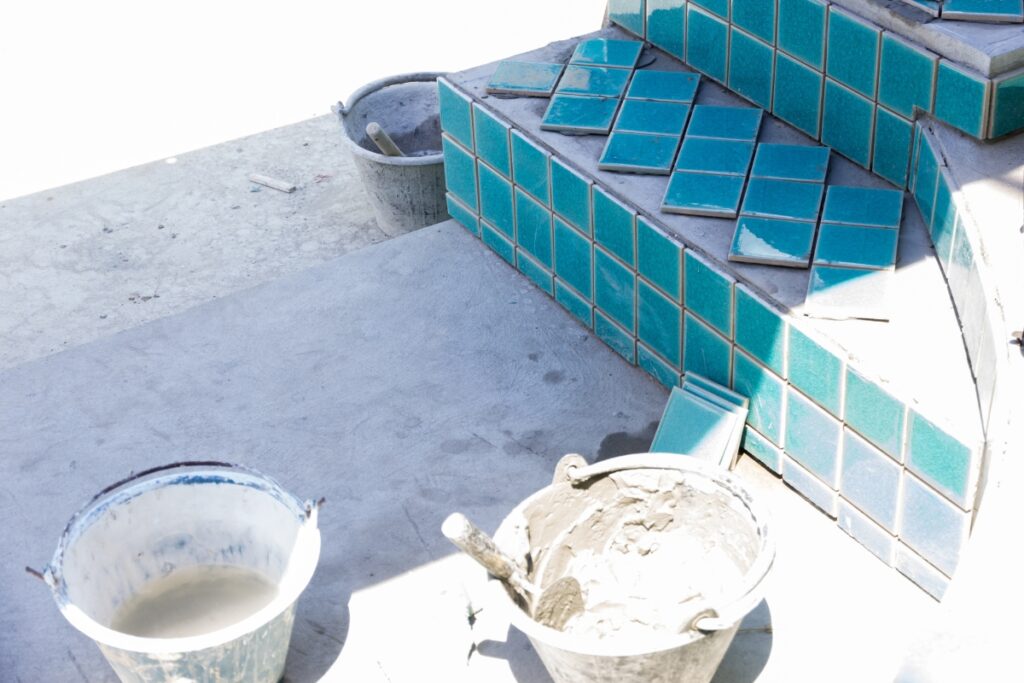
(579, 114)
(608, 52)
(530, 79)
(772, 241)
(790, 199)
(863, 206)
(731, 123)
(703, 194)
(711, 155)
(593, 80)
(649, 116)
(639, 153)
(791, 162)
(856, 246)
(668, 86)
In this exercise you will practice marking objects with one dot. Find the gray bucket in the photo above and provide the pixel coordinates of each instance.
(691, 525)
(406, 192)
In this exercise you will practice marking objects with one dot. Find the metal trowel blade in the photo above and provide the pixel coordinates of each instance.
(559, 603)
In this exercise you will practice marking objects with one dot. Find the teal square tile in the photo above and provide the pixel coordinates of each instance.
(891, 153)
(761, 330)
(656, 367)
(870, 480)
(620, 341)
(940, 459)
(874, 413)
(574, 258)
(659, 323)
(797, 95)
(598, 81)
(730, 123)
(614, 226)
(659, 259)
(498, 242)
(525, 79)
(492, 140)
(843, 293)
(762, 450)
(961, 268)
(848, 123)
(462, 214)
(944, 219)
(580, 114)
(719, 7)
(791, 162)
(983, 10)
(711, 155)
(1007, 104)
(856, 246)
(629, 14)
(852, 51)
(813, 437)
(880, 542)
(816, 371)
(692, 426)
(772, 241)
(456, 113)
(751, 68)
(706, 352)
(931, 526)
(863, 206)
(570, 195)
(926, 180)
(915, 568)
(533, 228)
(652, 116)
(792, 199)
(962, 98)
(665, 19)
(756, 17)
(766, 392)
(579, 307)
(639, 153)
(802, 31)
(535, 272)
(810, 487)
(708, 293)
(906, 76)
(614, 289)
(667, 86)
(531, 168)
(703, 194)
(610, 51)
(496, 199)
(707, 43)
(459, 172)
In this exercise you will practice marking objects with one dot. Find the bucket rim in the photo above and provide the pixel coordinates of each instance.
(296, 577)
(750, 590)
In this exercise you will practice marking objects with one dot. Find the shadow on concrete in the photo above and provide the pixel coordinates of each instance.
(748, 654)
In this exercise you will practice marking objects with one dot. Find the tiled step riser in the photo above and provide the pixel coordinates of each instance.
(665, 308)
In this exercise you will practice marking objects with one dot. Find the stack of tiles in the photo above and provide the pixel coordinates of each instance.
(704, 420)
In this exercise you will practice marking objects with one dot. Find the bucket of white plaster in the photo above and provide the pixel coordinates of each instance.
(188, 572)
(670, 551)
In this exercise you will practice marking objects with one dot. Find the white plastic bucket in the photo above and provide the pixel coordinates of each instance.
(179, 516)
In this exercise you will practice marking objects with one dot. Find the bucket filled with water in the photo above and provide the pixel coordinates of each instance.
(188, 572)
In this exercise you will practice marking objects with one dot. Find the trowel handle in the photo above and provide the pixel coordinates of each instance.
(478, 545)
(383, 141)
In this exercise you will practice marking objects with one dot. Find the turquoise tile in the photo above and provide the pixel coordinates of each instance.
(711, 155)
(802, 31)
(614, 226)
(772, 241)
(863, 206)
(659, 323)
(707, 42)
(535, 272)
(810, 487)
(456, 114)
(906, 76)
(668, 86)
(579, 114)
(492, 140)
(761, 331)
(891, 154)
(691, 425)
(703, 194)
(1007, 104)
(983, 10)
(791, 162)
(852, 51)
(766, 392)
(719, 7)
(944, 219)
(856, 246)
(880, 542)
(657, 368)
(714, 392)
(705, 351)
(629, 14)
(598, 81)
(751, 68)
(498, 242)
(813, 437)
(531, 168)
(961, 268)
(579, 307)
(730, 123)
(536, 79)
(610, 51)
(755, 16)
(874, 413)
(614, 336)
(570, 195)
(870, 480)
(840, 292)
(708, 293)
(462, 214)
(797, 95)
(614, 289)
(931, 526)
(459, 172)
(496, 199)
(940, 459)
(650, 116)
(848, 123)
(816, 371)
(962, 98)
(533, 228)
(925, 180)
(659, 259)
(665, 20)
(792, 199)
(927, 577)
(574, 258)
(639, 153)
(763, 450)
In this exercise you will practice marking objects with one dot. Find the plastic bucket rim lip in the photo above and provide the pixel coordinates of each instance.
(753, 579)
(306, 549)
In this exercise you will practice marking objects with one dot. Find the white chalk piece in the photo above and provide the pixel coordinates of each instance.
(272, 183)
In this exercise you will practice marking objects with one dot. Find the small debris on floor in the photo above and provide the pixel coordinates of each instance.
(273, 183)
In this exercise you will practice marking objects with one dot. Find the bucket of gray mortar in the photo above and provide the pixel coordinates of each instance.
(406, 192)
(671, 554)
